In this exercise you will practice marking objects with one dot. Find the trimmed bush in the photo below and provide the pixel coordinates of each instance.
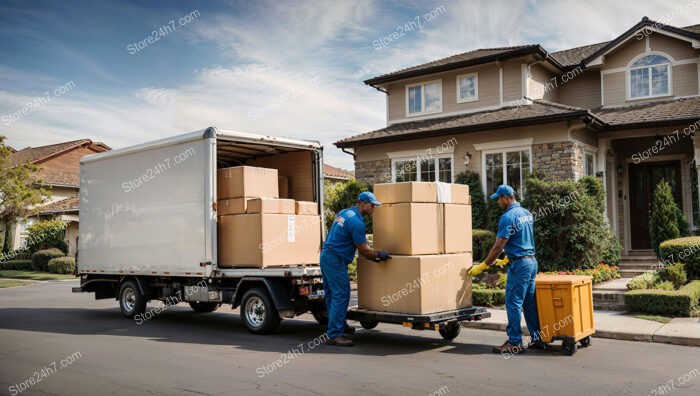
(665, 285)
(684, 250)
(601, 273)
(471, 179)
(682, 302)
(17, 265)
(482, 242)
(40, 259)
(494, 212)
(644, 281)
(487, 297)
(62, 265)
(674, 273)
(663, 223)
(46, 235)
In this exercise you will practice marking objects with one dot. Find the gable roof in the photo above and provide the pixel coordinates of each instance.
(331, 172)
(649, 115)
(70, 204)
(539, 112)
(37, 154)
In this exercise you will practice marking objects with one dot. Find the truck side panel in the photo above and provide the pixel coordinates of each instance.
(145, 212)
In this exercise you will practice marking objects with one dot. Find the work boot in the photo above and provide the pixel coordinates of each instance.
(535, 345)
(507, 347)
(349, 330)
(340, 341)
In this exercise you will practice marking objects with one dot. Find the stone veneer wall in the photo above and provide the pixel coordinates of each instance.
(557, 160)
(372, 172)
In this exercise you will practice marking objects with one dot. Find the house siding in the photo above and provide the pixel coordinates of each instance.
(677, 49)
(512, 81)
(537, 87)
(615, 89)
(685, 80)
(582, 91)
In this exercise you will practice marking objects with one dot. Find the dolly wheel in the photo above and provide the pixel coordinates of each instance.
(450, 331)
(569, 348)
(585, 342)
(368, 324)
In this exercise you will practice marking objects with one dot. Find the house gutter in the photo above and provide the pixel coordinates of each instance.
(347, 152)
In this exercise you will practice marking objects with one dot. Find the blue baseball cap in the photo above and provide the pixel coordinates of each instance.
(503, 189)
(369, 197)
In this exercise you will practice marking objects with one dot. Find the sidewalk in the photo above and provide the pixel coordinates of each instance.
(617, 325)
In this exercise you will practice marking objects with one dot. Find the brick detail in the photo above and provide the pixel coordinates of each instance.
(372, 172)
(557, 160)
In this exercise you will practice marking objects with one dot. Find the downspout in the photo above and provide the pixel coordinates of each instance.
(348, 152)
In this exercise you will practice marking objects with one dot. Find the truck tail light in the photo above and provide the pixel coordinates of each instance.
(304, 291)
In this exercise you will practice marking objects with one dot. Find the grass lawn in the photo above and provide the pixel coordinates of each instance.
(34, 275)
(12, 283)
(655, 318)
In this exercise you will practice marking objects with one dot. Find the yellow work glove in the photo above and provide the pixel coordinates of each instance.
(502, 263)
(476, 269)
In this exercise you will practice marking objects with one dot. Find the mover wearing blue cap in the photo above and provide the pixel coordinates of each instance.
(347, 235)
(515, 235)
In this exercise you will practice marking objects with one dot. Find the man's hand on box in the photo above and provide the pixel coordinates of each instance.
(476, 269)
(383, 256)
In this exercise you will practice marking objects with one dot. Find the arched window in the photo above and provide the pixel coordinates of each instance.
(649, 76)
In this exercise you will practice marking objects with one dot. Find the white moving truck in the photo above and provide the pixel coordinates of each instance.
(148, 227)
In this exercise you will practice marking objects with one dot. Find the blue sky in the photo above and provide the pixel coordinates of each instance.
(228, 63)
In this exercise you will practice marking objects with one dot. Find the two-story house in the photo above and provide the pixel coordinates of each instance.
(626, 111)
(60, 170)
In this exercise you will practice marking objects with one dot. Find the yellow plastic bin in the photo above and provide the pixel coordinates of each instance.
(565, 308)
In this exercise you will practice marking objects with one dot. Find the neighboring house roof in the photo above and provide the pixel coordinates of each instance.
(331, 172)
(70, 204)
(647, 115)
(538, 112)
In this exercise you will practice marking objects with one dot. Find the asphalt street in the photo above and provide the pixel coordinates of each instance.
(85, 347)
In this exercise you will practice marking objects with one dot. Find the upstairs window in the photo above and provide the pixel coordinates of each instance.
(424, 98)
(650, 76)
(467, 88)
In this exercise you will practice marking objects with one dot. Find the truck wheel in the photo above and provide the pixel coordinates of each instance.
(318, 310)
(368, 324)
(258, 312)
(131, 301)
(204, 306)
(451, 331)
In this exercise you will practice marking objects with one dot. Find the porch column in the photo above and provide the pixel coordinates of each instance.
(696, 144)
(601, 166)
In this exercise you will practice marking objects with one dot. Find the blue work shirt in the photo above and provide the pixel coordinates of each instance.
(516, 226)
(348, 229)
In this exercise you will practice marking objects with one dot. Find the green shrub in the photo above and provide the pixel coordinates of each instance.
(663, 223)
(600, 273)
(471, 179)
(674, 273)
(665, 285)
(502, 279)
(46, 235)
(644, 281)
(341, 196)
(482, 242)
(17, 265)
(62, 265)
(488, 297)
(683, 250)
(682, 302)
(40, 259)
(571, 231)
(495, 212)
(352, 270)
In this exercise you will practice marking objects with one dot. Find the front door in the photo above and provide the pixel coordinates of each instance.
(643, 181)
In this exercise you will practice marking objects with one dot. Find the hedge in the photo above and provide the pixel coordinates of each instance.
(682, 302)
(488, 297)
(482, 242)
(683, 250)
(40, 259)
(62, 265)
(17, 265)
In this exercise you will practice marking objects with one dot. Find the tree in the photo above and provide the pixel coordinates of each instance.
(471, 179)
(663, 224)
(342, 196)
(46, 235)
(20, 189)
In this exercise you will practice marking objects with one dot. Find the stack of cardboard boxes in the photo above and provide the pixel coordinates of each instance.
(257, 228)
(427, 228)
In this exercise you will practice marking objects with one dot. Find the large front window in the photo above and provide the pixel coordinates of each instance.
(424, 98)
(507, 167)
(425, 169)
(649, 76)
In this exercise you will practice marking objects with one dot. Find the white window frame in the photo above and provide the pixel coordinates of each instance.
(476, 88)
(422, 92)
(502, 151)
(628, 76)
(595, 162)
(418, 160)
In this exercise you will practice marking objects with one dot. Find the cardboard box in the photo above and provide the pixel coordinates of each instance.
(283, 186)
(415, 284)
(423, 228)
(247, 181)
(457, 228)
(422, 192)
(225, 207)
(264, 240)
(306, 208)
(270, 205)
(408, 228)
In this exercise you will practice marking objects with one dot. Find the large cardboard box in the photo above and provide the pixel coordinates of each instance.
(306, 208)
(247, 181)
(422, 228)
(283, 186)
(263, 240)
(270, 205)
(422, 192)
(415, 284)
(225, 207)
(408, 228)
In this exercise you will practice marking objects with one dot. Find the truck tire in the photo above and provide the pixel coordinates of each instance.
(450, 331)
(258, 312)
(131, 301)
(318, 310)
(204, 307)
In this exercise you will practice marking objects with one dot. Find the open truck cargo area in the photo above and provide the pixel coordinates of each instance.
(148, 226)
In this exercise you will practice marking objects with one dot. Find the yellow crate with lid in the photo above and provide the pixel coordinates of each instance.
(565, 309)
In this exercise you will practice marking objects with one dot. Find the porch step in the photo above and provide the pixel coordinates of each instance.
(637, 263)
(609, 296)
(649, 253)
(630, 273)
